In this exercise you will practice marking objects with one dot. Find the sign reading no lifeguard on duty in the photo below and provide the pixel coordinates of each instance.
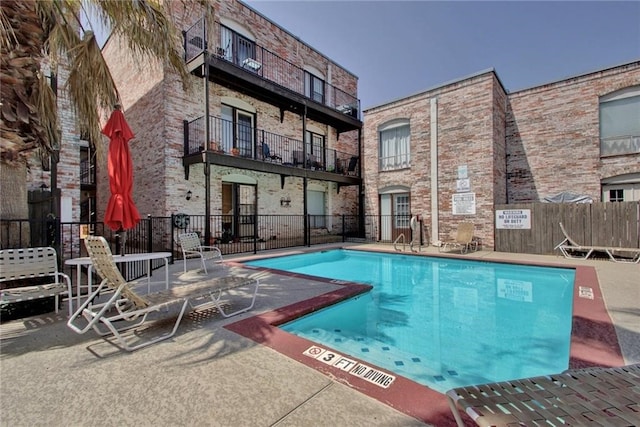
(514, 219)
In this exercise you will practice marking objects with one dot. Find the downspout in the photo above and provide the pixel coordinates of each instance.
(207, 166)
(307, 241)
(434, 171)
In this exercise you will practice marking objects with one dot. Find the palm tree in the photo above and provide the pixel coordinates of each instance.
(37, 32)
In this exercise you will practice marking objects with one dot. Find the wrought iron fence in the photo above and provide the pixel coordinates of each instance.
(233, 234)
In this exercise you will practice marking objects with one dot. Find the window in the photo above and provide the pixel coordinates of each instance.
(315, 149)
(237, 49)
(313, 87)
(620, 122)
(616, 195)
(394, 146)
(402, 211)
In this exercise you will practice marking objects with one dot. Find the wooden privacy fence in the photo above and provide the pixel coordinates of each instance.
(598, 224)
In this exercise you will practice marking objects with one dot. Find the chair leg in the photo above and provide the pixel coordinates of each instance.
(204, 264)
(216, 301)
(125, 345)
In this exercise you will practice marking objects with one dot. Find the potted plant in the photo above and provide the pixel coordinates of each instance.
(235, 151)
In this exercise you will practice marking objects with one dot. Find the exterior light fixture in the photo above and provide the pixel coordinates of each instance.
(285, 201)
(188, 195)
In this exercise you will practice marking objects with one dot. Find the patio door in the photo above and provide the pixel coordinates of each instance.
(237, 130)
(239, 209)
(394, 216)
(315, 209)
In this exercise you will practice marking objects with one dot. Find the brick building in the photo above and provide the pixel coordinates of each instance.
(451, 153)
(274, 124)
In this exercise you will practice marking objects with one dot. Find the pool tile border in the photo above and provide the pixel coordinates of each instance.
(593, 341)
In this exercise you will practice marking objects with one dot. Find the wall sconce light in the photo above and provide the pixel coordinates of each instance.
(285, 201)
(189, 193)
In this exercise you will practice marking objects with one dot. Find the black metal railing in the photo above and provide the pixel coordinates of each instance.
(231, 139)
(233, 234)
(253, 58)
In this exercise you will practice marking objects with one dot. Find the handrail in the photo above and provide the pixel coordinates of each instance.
(415, 235)
(404, 246)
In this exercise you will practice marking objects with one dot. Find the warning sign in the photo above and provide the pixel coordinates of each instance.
(514, 219)
(337, 360)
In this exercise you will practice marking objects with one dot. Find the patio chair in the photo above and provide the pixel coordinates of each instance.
(570, 249)
(463, 239)
(351, 168)
(191, 247)
(590, 396)
(126, 309)
(266, 153)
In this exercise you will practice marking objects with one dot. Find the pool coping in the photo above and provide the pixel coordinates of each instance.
(593, 338)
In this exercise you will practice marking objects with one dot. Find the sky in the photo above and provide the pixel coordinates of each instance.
(399, 48)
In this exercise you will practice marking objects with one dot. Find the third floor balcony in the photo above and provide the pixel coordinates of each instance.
(245, 66)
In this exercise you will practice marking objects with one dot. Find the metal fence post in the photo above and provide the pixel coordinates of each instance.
(150, 244)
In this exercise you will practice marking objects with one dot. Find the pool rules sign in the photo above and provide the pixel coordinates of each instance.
(513, 219)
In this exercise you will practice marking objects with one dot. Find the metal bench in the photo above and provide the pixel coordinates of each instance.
(29, 264)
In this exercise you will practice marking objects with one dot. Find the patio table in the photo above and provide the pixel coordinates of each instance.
(128, 258)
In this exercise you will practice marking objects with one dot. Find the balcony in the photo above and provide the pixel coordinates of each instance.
(254, 70)
(246, 147)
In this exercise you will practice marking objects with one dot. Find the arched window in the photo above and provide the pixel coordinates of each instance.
(394, 145)
(620, 122)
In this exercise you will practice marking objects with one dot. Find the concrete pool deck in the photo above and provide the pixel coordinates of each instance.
(209, 375)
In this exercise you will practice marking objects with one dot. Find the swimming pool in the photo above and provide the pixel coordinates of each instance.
(441, 322)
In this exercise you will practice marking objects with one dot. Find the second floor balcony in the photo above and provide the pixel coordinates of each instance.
(243, 65)
(246, 147)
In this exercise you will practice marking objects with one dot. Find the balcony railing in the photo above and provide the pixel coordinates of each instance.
(253, 58)
(227, 138)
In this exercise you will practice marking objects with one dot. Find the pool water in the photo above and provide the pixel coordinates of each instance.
(443, 323)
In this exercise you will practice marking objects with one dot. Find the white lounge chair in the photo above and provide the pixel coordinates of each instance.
(126, 309)
(570, 249)
(191, 247)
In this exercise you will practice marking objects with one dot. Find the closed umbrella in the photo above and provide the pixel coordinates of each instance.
(121, 213)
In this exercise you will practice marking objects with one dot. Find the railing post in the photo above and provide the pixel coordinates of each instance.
(343, 230)
(149, 233)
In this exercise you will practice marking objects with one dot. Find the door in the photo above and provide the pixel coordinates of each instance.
(315, 209)
(238, 211)
(385, 218)
(245, 133)
(394, 216)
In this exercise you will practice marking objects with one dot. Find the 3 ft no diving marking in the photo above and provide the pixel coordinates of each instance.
(374, 376)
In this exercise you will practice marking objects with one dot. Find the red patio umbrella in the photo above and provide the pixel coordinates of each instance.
(121, 213)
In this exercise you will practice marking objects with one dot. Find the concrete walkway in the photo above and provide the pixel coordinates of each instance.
(207, 375)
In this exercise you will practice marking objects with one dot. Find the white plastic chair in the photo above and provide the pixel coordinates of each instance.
(191, 247)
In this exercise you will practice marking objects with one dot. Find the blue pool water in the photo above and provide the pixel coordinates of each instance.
(443, 323)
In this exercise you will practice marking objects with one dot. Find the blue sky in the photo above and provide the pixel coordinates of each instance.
(398, 48)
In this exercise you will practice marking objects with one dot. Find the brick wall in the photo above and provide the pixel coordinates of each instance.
(470, 117)
(553, 136)
(156, 105)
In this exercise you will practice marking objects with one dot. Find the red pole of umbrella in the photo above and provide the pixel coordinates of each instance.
(121, 213)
